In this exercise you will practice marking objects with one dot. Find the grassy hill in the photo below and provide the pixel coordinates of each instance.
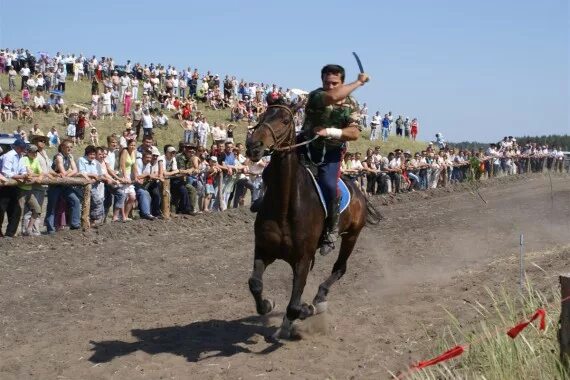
(80, 93)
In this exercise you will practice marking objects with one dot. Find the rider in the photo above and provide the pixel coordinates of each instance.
(332, 114)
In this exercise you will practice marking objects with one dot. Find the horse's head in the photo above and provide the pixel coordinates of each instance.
(275, 130)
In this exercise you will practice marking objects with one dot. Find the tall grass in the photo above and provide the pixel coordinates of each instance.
(492, 354)
(80, 93)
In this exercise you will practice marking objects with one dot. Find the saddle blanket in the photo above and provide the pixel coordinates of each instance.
(344, 194)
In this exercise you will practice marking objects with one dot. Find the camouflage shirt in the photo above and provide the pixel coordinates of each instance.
(317, 114)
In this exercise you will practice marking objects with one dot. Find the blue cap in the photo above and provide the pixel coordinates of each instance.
(19, 143)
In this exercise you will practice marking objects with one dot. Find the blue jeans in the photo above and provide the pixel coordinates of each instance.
(385, 133)
(143, 197)
(73, 201)
(328, 171)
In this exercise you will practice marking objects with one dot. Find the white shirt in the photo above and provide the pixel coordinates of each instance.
(146, 121)
(106, 98)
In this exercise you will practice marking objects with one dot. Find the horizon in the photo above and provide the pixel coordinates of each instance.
(473, 72)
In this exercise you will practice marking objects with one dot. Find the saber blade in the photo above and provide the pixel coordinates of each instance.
(358, 62)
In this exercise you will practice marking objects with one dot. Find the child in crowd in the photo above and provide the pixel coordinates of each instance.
(71, 127)
(94, 136)
(53, 137)
(25, 96)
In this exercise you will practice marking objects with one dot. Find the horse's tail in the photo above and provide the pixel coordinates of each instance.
(373, 216)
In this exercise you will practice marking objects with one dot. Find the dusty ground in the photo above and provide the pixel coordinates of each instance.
(170, 299)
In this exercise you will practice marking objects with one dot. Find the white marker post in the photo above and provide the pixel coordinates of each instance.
(522, 280)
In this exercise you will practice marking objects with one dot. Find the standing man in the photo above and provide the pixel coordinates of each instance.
(374, 124)
(147, 123)
(332, 114)
(385, 128)
(25, 73)
(136, 116)
(12, 168)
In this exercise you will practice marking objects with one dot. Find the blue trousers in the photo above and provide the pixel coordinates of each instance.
(73, 201)
(328, 171)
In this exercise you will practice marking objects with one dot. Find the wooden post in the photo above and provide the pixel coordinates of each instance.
(528, 165)
(85, 207)
(166, 198)
(564, 331)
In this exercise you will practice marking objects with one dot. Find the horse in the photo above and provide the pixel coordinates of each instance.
(290, 219)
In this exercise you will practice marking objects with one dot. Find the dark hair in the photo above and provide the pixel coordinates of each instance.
(166, 147)
(90, 149)
(333, 69)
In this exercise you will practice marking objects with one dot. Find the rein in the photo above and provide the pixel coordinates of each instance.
(287, 138)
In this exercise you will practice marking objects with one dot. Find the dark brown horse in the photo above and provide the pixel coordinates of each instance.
(290, 220)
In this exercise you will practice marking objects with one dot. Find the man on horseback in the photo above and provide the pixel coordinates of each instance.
(333, 115)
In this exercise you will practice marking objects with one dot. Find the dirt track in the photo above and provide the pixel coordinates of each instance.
(170, 299)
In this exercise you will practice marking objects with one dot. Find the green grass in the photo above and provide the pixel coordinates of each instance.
(492, 355)
(80, 93)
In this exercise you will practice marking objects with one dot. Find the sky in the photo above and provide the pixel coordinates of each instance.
(471, 70)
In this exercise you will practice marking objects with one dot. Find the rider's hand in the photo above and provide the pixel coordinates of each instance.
(363, 78)
(319, 131)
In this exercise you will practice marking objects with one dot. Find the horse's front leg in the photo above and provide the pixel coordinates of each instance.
(262, 305)
(295, 310)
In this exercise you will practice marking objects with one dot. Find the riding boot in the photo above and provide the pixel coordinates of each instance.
(331, 229)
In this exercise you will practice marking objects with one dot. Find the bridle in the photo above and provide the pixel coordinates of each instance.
(284, 142)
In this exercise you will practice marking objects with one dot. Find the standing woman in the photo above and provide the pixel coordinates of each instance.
(127, 99)
(135, 88)
(414, 128)
(127, 171)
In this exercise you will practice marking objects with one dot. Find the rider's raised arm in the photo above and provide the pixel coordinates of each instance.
(339, 93)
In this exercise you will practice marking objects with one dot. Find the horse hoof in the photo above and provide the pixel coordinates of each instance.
(268, 305)
(321, 307)
(307, 310)
(281, 334)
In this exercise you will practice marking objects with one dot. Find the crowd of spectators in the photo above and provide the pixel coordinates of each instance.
(383, 126)
(207, 170)
(440, 164)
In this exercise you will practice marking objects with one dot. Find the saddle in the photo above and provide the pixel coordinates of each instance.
(343, 190)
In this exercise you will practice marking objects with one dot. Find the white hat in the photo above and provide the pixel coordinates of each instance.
(155, 151)
(213, 158)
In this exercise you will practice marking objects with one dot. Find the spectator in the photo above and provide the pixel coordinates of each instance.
(399, 126)
(127, 173)
(90, 168)
(414, 129)
(94, 136)
(147, 123)
(137, 115)
(106, 103)
(61, 77)
(374, 124)
(53, 137)
(385, 128)
(12, 168)
(185, 193)
(407, 126)
(144, 179)
(203, 130)
(64, 166)
(162, 119)
(25, 73)
(27, 197)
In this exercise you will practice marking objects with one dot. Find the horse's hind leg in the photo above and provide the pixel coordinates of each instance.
(262, 305)
(339, 268)
(295, 310)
